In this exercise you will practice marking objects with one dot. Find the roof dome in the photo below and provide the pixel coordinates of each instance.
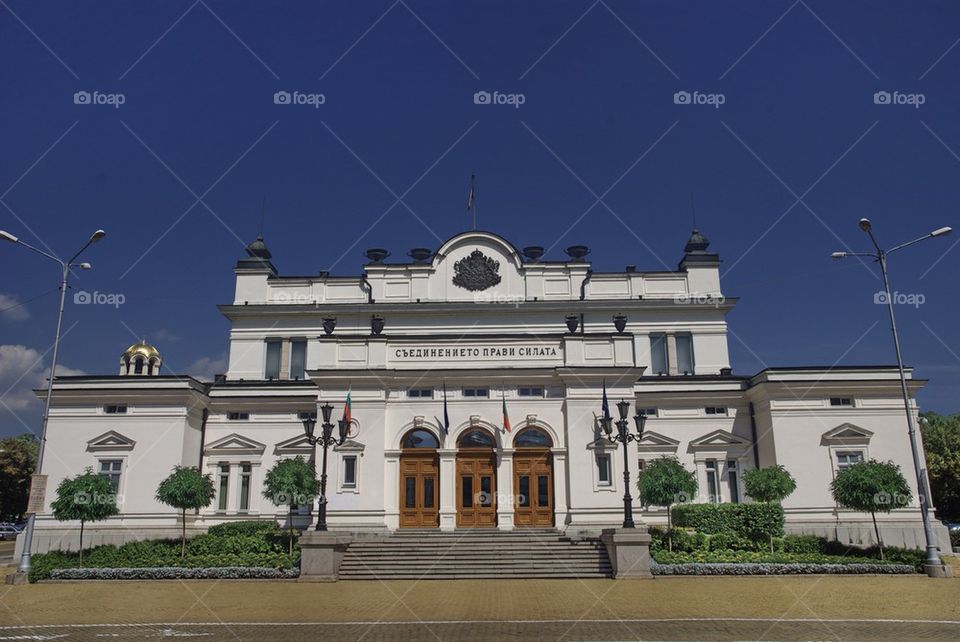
(697, 242)
(142, 349)
(258, 249)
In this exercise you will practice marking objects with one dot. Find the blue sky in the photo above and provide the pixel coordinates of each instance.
(599, 152)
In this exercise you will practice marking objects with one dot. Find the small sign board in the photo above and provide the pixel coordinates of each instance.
(38, 494)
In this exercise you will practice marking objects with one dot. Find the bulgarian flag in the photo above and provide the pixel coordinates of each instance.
(506, 417)
(347, 410)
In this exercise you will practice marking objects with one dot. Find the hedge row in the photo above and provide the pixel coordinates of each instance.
(173, 573)
(780, 569)
(753, 522)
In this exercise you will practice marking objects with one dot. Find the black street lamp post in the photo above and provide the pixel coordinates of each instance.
(326, 439)
(624, 436)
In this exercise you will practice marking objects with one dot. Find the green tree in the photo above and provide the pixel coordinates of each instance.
(941, 443)
(88, 497)
(186, 488)
(770, 485)
(665, 482)
(18, 459)
(290, 482)
(872, 486)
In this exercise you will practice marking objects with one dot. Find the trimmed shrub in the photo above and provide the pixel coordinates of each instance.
(730, 542)
(761, 557)
(804, 544)
(244, 527)
(754, 522)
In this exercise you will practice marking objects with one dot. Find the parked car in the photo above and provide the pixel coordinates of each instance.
(8, 533)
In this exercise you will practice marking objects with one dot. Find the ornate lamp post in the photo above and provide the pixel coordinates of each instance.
(326, 439)
(624, 436)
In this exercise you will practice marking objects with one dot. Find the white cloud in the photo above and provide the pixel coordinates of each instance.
(162, 335)
(22, 370)
(11, 309)
(205, 367)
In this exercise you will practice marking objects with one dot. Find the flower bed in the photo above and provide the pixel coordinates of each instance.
(175, 573)
(771, 568)
(256, 546)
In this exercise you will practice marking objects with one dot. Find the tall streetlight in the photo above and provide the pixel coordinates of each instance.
(327, 439)
(65, 266)
(932, 564)
(624, 436)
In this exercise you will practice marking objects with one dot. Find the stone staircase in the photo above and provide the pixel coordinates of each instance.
(474, 554)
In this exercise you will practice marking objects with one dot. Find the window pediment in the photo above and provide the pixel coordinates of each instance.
(655, 442)
(719, 440)
(110, 441)
(847, 434)
(234, 444)
(297, 445)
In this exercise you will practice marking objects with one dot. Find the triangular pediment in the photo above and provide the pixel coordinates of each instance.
(847, 433)
(110, 441)
(719, 439)
(350, 445)
(234, 444)
(655, 442)
(297, 445)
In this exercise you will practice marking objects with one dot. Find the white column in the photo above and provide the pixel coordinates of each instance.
(391, 489)
(505, 490)
(561, 485)
(448, 487)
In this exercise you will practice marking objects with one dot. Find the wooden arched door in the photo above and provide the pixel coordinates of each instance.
(476, 480)
(419, 480)
(533, 478)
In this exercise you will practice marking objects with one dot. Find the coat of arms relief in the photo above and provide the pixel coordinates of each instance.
(476, 272)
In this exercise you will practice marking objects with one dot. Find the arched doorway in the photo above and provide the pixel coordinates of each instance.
(419, 480)
(533, 478)
(476, 480)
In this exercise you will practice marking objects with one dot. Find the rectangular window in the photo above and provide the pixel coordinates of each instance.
(307, 415)
(845, 459)
(428, 492)
(684, 354)
(604, 474)
(524, 499)
(224, 487)
(713, 487)
(298, 359)
(466, 491)
(238, 416)
(733, 478)
(476, 392)
(649, 412)
(115, 410)
(715, 410)
(530, 391)
(420, 393)
(246, 471)
(410, 492)
(349, 471)
(543, 491)
(841, 401)
(272, 366)
(658, 354)
(110, 468)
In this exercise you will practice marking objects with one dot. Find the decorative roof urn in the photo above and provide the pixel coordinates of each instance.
(620, 322)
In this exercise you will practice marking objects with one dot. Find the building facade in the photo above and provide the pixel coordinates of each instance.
(433, 353)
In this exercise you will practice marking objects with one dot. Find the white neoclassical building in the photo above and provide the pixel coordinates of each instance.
(430, 352)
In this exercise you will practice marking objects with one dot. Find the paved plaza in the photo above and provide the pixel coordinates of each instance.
(761, 608)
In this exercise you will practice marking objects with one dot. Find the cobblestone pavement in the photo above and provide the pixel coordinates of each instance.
(708, 608)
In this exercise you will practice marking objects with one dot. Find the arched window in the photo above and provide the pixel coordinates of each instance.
(138, 365)
(532, 438)
(419, 438)
(476, 438)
